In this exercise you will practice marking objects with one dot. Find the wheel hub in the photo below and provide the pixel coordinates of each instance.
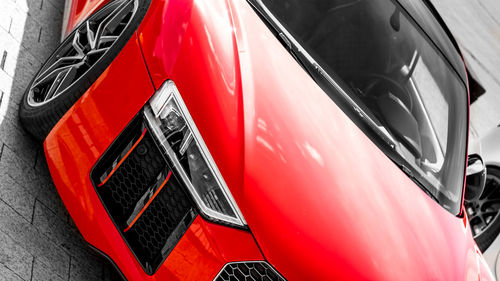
(484, 210)
(81, 51)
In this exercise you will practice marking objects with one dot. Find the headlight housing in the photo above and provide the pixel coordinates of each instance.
(171, 123)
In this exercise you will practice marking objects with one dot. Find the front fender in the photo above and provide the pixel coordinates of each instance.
(485, 273)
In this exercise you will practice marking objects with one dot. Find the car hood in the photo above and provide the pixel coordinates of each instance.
(322, 201)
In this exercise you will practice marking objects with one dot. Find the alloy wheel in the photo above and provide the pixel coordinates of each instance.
(82, 49)
(485, 210)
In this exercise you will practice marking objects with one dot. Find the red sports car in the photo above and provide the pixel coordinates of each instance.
(262, 139)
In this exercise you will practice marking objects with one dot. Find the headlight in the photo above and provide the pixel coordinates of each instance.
(171, 123)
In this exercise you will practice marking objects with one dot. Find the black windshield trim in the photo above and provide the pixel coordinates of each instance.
(350, 107)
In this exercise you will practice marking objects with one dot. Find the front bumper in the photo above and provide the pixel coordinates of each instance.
(78, 141)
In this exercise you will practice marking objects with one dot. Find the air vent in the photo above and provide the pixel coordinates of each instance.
(142, 195)
(248, 271)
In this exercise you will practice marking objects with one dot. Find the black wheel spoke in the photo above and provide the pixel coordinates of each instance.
(112, 20)
(97, 52)
(94, 55)
(53, 87)
(63, 79)
(105, 39)
(484, 211)
(488, 191)
(493, 201)
(68, 78)
(77, 54)
(62, 62)
(51, 76)
(115, 20)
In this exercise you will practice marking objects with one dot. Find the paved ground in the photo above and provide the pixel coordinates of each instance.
(476, 25)
(38, 240)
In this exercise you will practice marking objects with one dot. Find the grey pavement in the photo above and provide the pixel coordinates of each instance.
(38, 240)
(476, 26)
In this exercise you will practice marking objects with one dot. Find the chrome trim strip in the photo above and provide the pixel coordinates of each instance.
(170, 91)
(293, 43)
(147, 197)
(121, 158)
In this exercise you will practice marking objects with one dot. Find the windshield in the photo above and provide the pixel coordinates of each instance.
(383, 66)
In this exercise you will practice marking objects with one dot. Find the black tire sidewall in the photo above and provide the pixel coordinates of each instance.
(39, 120)
(485, 239)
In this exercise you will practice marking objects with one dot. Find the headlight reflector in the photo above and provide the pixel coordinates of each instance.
(171, 123)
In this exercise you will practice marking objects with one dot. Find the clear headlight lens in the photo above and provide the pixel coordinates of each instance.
(172, 124)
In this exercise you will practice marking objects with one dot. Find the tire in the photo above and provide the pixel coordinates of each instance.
(489, 202)
(39, 115)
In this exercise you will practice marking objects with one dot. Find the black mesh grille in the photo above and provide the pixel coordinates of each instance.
(149, 235)
(249, 271)
(132, 178)
(133, 173)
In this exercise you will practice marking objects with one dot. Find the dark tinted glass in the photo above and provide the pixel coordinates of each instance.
(397, 75)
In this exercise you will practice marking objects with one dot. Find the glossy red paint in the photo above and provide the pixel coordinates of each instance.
(322, 201)
(366, 203)
(149, 202)
(353, 198)
(79, 139)
(123, 159)
(310, 177)
(192, 43)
